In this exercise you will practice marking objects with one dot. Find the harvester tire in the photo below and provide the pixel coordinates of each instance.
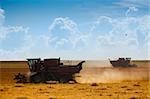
(36, 78)
(65, 79)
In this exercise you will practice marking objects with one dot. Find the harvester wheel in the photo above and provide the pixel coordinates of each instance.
(51, 76)
(36, 78)
(65, 79)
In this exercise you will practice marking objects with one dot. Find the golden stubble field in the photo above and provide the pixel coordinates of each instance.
(123, 90)
(93, 83)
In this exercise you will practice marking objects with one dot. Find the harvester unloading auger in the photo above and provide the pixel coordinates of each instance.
(49, 70)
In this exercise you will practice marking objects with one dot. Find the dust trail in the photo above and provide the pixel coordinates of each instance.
(108, 74)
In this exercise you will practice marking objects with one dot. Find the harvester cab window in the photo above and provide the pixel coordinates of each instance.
(32, 63)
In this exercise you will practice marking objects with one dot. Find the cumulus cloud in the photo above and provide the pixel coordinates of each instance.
(5, 32)
(106, 37)
(69, 33)
(119, 35)
(130, 10)
(46, 39)
(61, 42)
(125, 34)
(122, 32)
(64, 23)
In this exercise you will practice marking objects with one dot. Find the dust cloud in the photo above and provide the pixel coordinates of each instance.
(110, 74)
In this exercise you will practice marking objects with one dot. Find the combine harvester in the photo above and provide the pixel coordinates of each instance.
(49, 70)
(122, 62)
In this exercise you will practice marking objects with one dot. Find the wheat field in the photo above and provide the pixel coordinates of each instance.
(93, 83)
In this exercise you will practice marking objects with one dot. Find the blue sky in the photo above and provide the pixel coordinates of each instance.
(74, 29)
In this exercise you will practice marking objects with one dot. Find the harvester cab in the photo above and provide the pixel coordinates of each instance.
(34, 64)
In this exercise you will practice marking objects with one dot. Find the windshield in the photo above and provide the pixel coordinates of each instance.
(32, 63)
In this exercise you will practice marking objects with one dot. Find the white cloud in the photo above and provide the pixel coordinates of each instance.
(130, 10)
(120, 40)
(47, 39)
(20, 52)
(99, 21)
(64, 23)
(61, 43)
(122, 32)
(106, 38)
(134, 3)
(72, 34)
(2, 17)
(124, 35)
(6, 31)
